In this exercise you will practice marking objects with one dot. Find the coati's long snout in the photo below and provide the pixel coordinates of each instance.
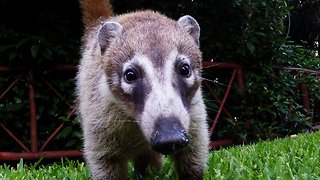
(168, 136)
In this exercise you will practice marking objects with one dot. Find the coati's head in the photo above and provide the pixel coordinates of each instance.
(152, 65)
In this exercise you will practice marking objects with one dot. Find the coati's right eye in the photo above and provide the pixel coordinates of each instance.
(130, 75)
(185, 70)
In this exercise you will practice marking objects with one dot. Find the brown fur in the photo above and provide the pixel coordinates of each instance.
(94, 10)
(113, 133)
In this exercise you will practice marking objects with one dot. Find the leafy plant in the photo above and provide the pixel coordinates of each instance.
(250, 33)
(32, 49)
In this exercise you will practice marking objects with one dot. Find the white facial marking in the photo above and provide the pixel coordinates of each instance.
(127, 88)
(103, 87)
(138, 60)
(198, 110)
(163, 100)
(190, 80)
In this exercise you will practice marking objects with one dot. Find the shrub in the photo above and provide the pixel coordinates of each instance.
(250, 33)
(273, 105)
(39, 40)
(239, 31)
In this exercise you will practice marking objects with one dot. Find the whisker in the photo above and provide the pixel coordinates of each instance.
(142, 141)
(215, 81)
(213, 65)
(197, 101)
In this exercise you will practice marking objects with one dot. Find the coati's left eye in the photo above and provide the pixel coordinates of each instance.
(185, 70)
(130, 75)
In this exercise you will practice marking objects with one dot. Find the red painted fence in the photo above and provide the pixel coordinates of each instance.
(34, 152)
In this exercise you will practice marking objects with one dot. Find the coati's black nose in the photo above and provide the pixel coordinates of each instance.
(168, 136)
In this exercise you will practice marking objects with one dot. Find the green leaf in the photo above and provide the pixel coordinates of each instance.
(71, 143)
(35, 50)
(22, 42)
(12, 55)
(251, 47)
(65, 132)
(261, 34)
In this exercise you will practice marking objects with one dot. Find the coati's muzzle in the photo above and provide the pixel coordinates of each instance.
(168, 136)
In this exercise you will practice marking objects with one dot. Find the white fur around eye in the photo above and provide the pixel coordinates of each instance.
(126, 87)
(139, 61)
(191, 79)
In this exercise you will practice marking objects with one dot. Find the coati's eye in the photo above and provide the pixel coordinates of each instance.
(130, 75)
(185, 70)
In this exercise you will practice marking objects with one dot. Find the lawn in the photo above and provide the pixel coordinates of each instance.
(290, 158)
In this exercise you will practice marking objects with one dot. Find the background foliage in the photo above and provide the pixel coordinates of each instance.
(305, 23)
(37, 35)
(255, 34)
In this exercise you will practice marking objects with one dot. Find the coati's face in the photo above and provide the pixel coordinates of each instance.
(152, 65)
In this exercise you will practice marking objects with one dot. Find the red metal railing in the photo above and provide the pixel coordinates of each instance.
(237, 74)
(303, 87)
(34, 152)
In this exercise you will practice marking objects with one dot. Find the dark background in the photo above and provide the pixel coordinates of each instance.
(257, 35)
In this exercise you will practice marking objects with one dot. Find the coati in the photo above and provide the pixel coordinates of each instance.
(139, 91)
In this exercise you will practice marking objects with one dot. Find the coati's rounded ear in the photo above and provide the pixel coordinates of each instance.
(191, 26)
(108, 31)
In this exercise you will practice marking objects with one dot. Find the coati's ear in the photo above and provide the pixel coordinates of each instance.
(191, 26)
(108, 31)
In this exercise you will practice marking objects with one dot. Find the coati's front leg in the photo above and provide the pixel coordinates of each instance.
(145, 160)
(107, 169)
(188, 169)
(190, 163)
(102, 155)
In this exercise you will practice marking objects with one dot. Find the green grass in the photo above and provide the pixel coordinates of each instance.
(289, 158)
(68, 170)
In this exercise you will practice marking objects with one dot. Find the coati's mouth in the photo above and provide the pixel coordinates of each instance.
(168, 136)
